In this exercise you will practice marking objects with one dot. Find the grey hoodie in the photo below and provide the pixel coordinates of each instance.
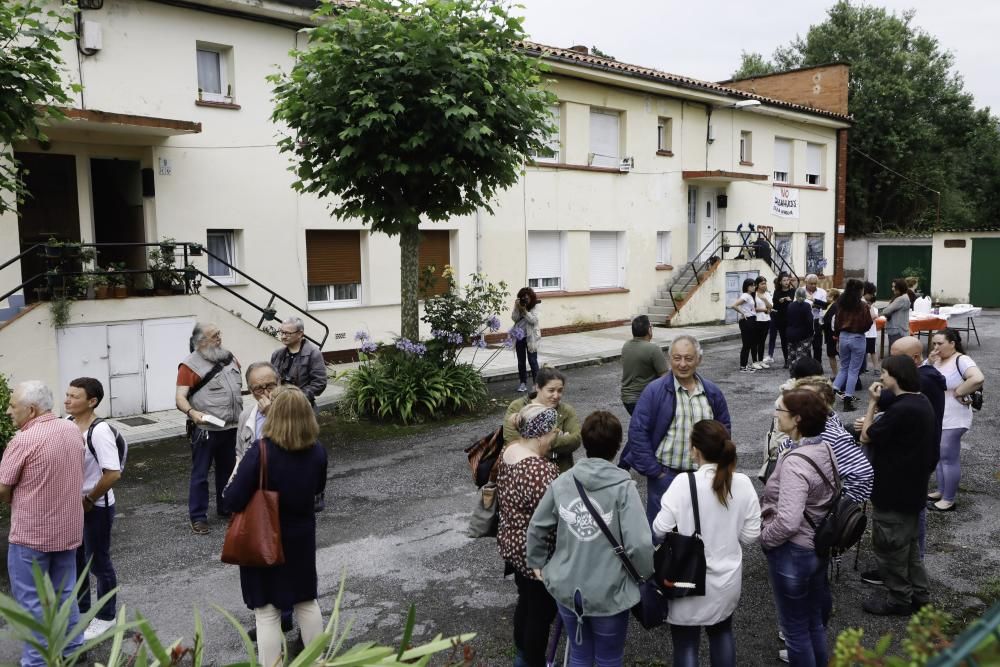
(583, 559)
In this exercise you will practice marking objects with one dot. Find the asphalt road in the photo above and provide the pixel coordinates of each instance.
(397, 506)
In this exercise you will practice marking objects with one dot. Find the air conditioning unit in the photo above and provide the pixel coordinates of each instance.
(626, 165)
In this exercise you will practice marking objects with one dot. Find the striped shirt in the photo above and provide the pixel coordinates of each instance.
(44, 465)
(674, 450)
(853, 466)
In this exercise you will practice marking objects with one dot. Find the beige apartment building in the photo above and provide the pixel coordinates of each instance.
(171, 138)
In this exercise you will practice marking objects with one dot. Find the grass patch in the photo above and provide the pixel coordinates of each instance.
(989, 592)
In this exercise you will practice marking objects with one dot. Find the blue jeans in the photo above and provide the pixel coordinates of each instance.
(521, 350)
(721, 645)
(96, 549)
(802, 597)
(208, 447)
(597, 640)
(61, 568)
(655, 488)
(852, 354)
(949, 467)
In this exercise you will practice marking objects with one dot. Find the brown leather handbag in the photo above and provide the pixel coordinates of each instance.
(253, 538)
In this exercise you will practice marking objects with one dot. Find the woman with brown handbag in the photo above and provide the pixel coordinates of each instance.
(296, 469)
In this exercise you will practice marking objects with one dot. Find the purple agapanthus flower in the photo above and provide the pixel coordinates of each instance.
(509, 341)
(361, 335)
(454, 338)
(369, 347)
(410, 347)
(481, 342)
(518, 333)
(493, 323)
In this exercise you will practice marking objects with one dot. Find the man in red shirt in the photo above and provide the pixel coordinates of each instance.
(210, 393)
(41, 476)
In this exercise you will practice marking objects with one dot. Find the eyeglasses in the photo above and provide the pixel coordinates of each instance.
(782, 410)
(288, 333)
(263, 388)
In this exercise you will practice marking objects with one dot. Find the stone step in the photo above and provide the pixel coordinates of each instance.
(664, 302)
(660, 311)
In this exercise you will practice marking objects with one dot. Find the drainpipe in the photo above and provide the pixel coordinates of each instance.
(708, 132)
(479, 239)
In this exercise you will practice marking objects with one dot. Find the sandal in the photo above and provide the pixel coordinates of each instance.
(935, 507)
(934, 495)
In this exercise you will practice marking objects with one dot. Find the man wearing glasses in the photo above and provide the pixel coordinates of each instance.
(299, 362)
(262, 379)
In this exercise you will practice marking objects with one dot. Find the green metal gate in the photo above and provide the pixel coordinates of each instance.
(892, 259)
(985, 274)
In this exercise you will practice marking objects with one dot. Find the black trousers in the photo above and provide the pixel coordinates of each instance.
(533, 615)
(760, 330)
(748, 338)
(818, 340)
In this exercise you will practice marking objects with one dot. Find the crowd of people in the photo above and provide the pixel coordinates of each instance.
(551, 505)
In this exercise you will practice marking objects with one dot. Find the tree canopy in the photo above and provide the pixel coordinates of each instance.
(405, 110)
(917, 132)
(30, 84)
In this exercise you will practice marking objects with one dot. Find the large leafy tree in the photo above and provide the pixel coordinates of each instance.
(31, 89)
(916, 133)
(406, 110)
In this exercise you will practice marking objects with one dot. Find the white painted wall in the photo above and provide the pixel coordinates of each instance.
(951, 268)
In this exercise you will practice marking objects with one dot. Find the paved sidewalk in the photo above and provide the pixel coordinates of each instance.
(564, 351)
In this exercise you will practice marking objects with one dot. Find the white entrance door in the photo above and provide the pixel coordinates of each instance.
(83, 352)
(693, 236)
(708, 217)
(166, 345)
(125, 387)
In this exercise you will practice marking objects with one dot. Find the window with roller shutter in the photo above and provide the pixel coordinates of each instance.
(333, 266)
(435, 251)
(604, 266)
(545, 260)
(782, 160)
(605, 138)
(814, 164)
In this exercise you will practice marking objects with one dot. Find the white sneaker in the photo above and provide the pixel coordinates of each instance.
(96, 628)
(783, 655)
(522, 387)
(781, 635)
(764, 365)
(769, 359)
(758, 365)
(748, 369)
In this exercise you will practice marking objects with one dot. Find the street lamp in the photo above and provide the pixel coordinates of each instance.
(744, 104)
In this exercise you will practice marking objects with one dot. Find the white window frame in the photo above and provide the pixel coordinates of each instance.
(552, 267)
(746, 146)
(814, 164)
(599, 155)
(664, 251)
(226, 92)
(783, 146)
(608, 246)
(552, 140)
(331, 300)
(229, 237)
(664, 134)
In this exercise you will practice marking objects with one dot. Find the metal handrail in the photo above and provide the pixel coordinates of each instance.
(268, 313)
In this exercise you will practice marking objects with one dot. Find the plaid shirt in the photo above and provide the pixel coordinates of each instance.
(675, 450)
(44, 465)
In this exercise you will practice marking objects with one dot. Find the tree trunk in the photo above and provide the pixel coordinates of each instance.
(409, 260)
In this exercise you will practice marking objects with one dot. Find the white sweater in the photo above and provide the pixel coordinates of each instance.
(722, 528)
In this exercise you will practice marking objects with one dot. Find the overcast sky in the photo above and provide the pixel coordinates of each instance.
(704, 39)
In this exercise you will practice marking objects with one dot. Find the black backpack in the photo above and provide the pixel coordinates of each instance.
(844, 523)
(120, 443)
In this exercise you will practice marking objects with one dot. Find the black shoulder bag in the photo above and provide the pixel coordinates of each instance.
(189, 425)
(680, 561)
(976, 397)
(651, 610)
(843, 523)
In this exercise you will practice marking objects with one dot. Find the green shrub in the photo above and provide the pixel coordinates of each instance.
(7, 429)
(403, 384)
(927, 634)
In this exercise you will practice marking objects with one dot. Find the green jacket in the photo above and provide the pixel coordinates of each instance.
(583, 559)
(565, 444)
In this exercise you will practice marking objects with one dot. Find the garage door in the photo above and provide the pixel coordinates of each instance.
(985, 273)
(894, 259)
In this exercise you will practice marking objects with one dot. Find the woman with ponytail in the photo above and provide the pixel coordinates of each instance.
(730, 515)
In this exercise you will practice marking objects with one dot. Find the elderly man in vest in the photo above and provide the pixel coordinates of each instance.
(209, 392)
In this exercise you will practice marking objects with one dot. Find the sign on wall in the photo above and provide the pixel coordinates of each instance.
(785, 202)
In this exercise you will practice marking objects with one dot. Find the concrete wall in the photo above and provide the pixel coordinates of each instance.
(708, 304)
(861, 254)
(951, 269)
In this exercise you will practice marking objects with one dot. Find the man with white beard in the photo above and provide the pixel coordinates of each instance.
(209, 392)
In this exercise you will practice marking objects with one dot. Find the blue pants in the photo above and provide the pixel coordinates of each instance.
(802, 597)
(521, 350)
(655, 488)
(60, 566)
(597, 640)
(208, 447)
(96, 549)
(949, 467)
(721, 645)
(852, 355)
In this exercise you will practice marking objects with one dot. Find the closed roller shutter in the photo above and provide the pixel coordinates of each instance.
(435, 250)
(333, 257)
(544, 260)
(603, 259)
(604, 139)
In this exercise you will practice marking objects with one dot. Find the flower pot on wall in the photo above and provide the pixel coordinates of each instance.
(119, 291)
(102, 291)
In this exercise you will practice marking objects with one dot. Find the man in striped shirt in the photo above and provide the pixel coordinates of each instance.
(41, 476)
(659, 433)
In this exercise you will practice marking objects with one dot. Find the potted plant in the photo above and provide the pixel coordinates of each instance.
(101, 282)
(167, 247)
(53, 247)
(116, 280)
(166, 278)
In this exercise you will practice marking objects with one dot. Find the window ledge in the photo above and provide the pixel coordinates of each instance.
(218, 105)
(665, 153)
(225, 282)
(327, 305)
(576, 167)
(746, 163)
(558, 294)
(664, 267)
(821, 188)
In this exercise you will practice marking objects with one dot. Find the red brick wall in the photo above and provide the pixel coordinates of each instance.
(823, 87)
(840, 207)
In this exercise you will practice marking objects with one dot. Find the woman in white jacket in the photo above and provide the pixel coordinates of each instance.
(730, 514)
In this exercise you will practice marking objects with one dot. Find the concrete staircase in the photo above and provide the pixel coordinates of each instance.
(683, 284)
(15, 304)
